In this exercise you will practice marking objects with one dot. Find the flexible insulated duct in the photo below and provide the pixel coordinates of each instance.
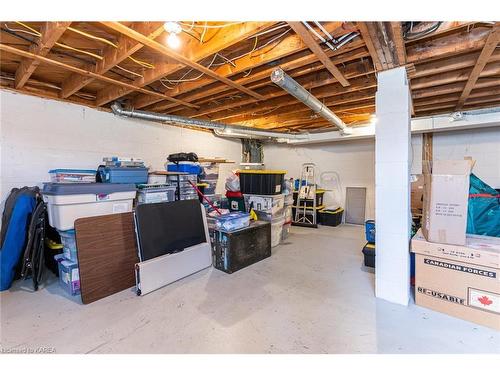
(287, 83)
(219, 128)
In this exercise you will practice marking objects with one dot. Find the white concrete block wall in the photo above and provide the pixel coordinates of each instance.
(392, 193)
(483, 145)
(39, 134)
(353, 161)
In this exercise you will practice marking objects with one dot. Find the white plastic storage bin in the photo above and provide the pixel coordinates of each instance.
(68, 241)
(276, 232)
(68, 202)
(268, 216)
(288, 214)
(268, 203)
(285, 231)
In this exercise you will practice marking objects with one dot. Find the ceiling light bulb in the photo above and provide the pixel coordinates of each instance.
(172, 27)
(173, 41)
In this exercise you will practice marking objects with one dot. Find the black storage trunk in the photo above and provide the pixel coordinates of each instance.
(261, 182)
(238, 249)
(309, 202)
(369, 253)
(331, 218)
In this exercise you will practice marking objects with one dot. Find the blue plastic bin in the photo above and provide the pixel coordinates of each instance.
(185, 166)
(370, 230)
(232, 221)
(124, 175)
(69, 245)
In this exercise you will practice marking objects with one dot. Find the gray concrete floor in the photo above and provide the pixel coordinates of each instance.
(312, 296)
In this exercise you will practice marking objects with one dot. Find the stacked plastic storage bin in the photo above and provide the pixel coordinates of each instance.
(263, 189)
(123, 170)
(288, 215)
(69, 176)
(209, 175)
(270, 208)
(187, 191)
(69, 277)
(155, 193)
(67, 202)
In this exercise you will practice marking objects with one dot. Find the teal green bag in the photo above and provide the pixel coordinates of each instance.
(483, 215)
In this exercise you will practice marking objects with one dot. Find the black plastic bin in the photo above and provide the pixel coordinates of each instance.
(369, 253)
(261, 182)
(238, 249)
(309, 202)
(331, 218)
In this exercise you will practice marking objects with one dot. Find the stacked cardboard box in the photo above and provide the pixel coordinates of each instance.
(456, 274)
(459, 280)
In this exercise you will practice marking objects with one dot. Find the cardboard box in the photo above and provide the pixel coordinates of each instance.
(446, 194)
(417, 194)
(479, 250)
(453, 285)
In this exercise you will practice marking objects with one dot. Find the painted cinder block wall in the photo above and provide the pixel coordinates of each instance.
(355, 160)
(40, 134)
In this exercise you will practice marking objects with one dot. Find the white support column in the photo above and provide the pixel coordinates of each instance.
(392, 186)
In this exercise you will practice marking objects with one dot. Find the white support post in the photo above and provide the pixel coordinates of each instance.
(392, 186)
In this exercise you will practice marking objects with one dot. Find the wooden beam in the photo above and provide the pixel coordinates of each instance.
(111, 57)
(51, 32)
(456, 87)
(488, 49)
(324, 82)
(367, 37)
(385, 43)
(445, 27)
(447, 45)
(451, 63)
(223, 39)
(279, 103)
(297, 109)
(399, 43)
(492, 69)
(311, 43)
(30, 55)
(177, 57)
(349, 52)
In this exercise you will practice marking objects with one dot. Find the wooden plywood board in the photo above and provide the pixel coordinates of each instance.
(107, 254)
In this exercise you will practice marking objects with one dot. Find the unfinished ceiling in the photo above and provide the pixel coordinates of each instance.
(221, 70)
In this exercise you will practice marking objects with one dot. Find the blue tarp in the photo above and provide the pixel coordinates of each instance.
(483, 216)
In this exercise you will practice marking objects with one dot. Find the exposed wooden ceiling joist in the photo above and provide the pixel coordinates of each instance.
(220, 41)
(50, 34)
(301, 31)
(111, 56)
(177, 57)
(83, 72)
(487, 51)
(281, 49)
(449, 63)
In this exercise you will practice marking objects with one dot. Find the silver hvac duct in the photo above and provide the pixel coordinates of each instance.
(287, 83)
(219, 128)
